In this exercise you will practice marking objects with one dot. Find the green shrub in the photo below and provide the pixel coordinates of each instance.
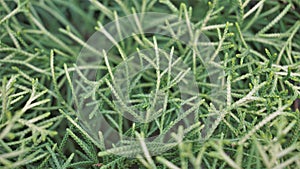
(258, 43)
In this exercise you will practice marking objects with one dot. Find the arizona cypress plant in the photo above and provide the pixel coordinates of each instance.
(257, 125)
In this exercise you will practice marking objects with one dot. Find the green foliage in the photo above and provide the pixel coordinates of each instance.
(258, 43)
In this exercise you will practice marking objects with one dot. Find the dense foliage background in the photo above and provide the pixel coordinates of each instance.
(258, 43)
